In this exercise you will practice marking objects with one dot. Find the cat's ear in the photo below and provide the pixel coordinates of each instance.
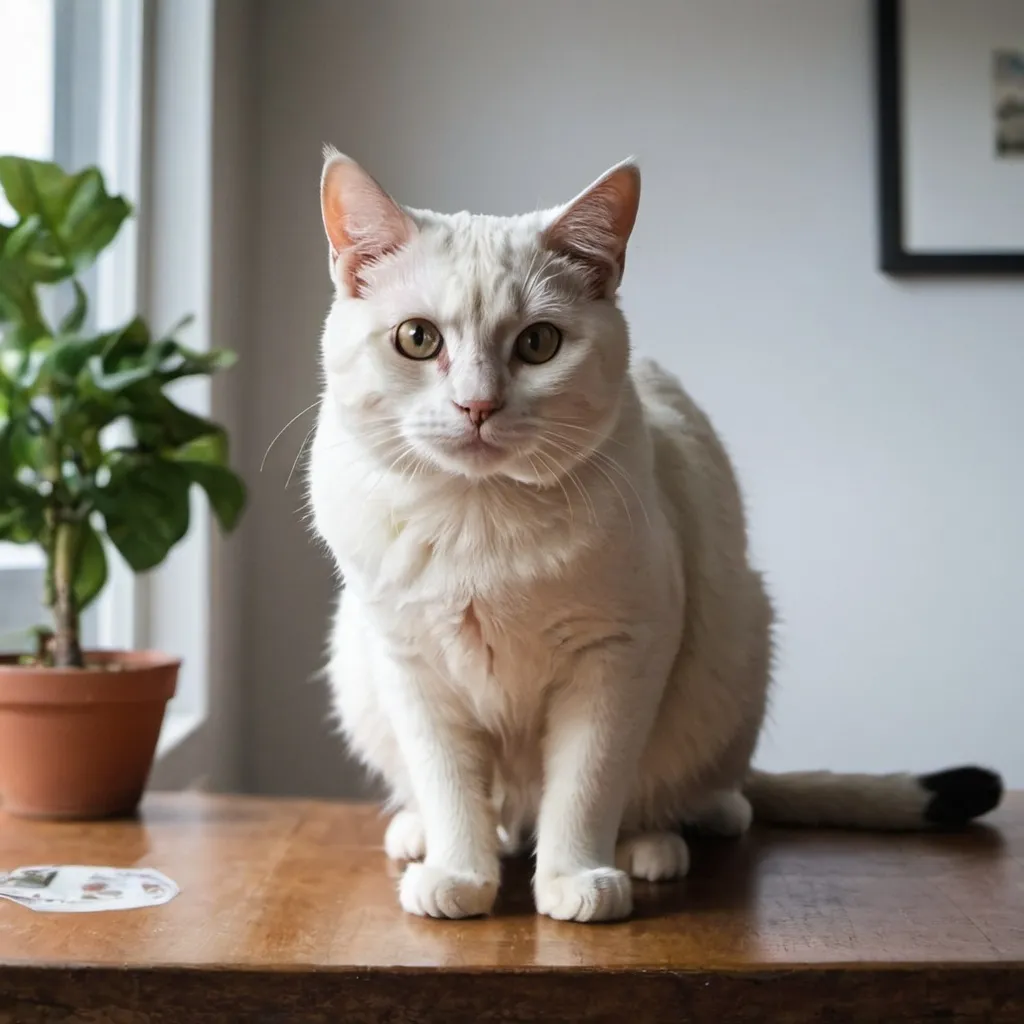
(363, 223)
(593, 230)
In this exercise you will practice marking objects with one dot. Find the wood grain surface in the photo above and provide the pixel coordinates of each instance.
(287, 913)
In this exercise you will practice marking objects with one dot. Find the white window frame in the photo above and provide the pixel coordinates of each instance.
(153, 146)
(23, 557)
(134, 93)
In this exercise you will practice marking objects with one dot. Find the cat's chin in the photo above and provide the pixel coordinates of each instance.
(473, 457)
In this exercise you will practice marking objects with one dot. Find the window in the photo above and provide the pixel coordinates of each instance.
(94, 67)
(26, 128)
(51, 48)
(26, 113)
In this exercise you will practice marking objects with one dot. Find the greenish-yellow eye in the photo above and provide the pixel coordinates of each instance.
(538, 343)
(418, 339)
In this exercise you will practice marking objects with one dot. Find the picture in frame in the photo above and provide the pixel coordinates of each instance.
(950, 93)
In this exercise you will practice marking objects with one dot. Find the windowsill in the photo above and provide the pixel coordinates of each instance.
(177, 727)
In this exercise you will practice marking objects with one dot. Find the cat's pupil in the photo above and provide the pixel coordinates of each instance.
(417, 335)
(535, 340)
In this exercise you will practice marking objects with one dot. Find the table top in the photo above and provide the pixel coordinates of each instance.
(299, 887)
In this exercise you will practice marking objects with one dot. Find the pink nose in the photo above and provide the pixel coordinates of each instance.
(478, 411)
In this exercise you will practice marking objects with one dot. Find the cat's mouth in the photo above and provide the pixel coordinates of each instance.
(477, 443)
(472, 452)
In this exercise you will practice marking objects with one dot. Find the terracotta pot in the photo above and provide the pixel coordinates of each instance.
(79, 743)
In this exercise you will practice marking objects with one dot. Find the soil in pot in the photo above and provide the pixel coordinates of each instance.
(79, 743)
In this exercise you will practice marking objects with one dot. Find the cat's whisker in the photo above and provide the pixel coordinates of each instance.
(370, 439)
(366, 442)
(616, 467)
(277, 436)
(377, 468)
(590, 432)
(591, 510)
(421, 463)
(581, 455)
(600, 456)
(392, 468)
(622, 498)
(558, 480)
(298, 455)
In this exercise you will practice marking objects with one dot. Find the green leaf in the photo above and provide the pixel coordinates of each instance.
(205, 460)
(22, 236)
(22, 366)
(91, 575)
(79, 218)
(118, 380)
(131, 340)
(72, 322)
(160, 424)
(182, 362)
(146, 508)
(22, 514)
(211, 449)
(26, 449)
(65, 360)
(224, 489)
(18, 301)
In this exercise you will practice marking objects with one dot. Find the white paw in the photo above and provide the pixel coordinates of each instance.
(729, 815)
(434, 892)
(599, 894)
(405, 838)
(653, 856)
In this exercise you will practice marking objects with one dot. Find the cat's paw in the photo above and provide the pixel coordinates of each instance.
(653, 856)
(729, 814)
(598, 894)
(405, 838)
(433, 892)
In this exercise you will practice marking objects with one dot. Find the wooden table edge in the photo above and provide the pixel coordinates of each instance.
(795, 994)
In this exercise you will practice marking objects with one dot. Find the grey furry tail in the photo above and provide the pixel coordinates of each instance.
(898, 802)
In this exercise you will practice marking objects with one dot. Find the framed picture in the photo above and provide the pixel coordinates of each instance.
(950, 79)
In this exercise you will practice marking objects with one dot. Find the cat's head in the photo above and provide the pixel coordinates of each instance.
(476, 345)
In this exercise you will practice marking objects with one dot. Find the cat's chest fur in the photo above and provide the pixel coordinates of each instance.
(491, 659)
(483, 621)
(494, 608)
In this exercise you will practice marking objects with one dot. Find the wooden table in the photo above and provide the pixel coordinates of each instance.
(287, 913)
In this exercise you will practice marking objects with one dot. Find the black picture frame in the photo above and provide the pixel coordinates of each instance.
(895, 258)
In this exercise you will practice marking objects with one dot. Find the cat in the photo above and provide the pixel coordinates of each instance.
(549, 623)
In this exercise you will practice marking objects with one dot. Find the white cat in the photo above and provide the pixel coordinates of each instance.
(549, 623)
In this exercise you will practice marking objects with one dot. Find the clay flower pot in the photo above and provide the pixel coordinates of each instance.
(79, 743)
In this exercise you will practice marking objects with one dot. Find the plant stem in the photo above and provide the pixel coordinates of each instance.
(67, 650)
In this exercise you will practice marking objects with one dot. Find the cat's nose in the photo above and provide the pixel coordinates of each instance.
(478, 411)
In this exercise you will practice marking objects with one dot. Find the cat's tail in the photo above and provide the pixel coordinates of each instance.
(898, 802)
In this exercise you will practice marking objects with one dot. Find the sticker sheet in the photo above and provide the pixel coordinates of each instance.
(77, 888)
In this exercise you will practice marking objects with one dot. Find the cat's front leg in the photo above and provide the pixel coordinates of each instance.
(595, 733)
(448, 771)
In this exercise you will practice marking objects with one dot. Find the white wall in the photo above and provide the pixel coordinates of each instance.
(877, 425)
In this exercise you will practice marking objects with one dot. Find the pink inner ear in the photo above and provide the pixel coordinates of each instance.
(363, 223)
(594, 228)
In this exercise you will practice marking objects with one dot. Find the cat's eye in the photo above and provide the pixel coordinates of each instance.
(538, 343)
(418, 339)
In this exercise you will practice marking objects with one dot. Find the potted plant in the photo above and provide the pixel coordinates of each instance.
(95, 455)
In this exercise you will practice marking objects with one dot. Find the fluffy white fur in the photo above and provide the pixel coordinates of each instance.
(549, 625)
